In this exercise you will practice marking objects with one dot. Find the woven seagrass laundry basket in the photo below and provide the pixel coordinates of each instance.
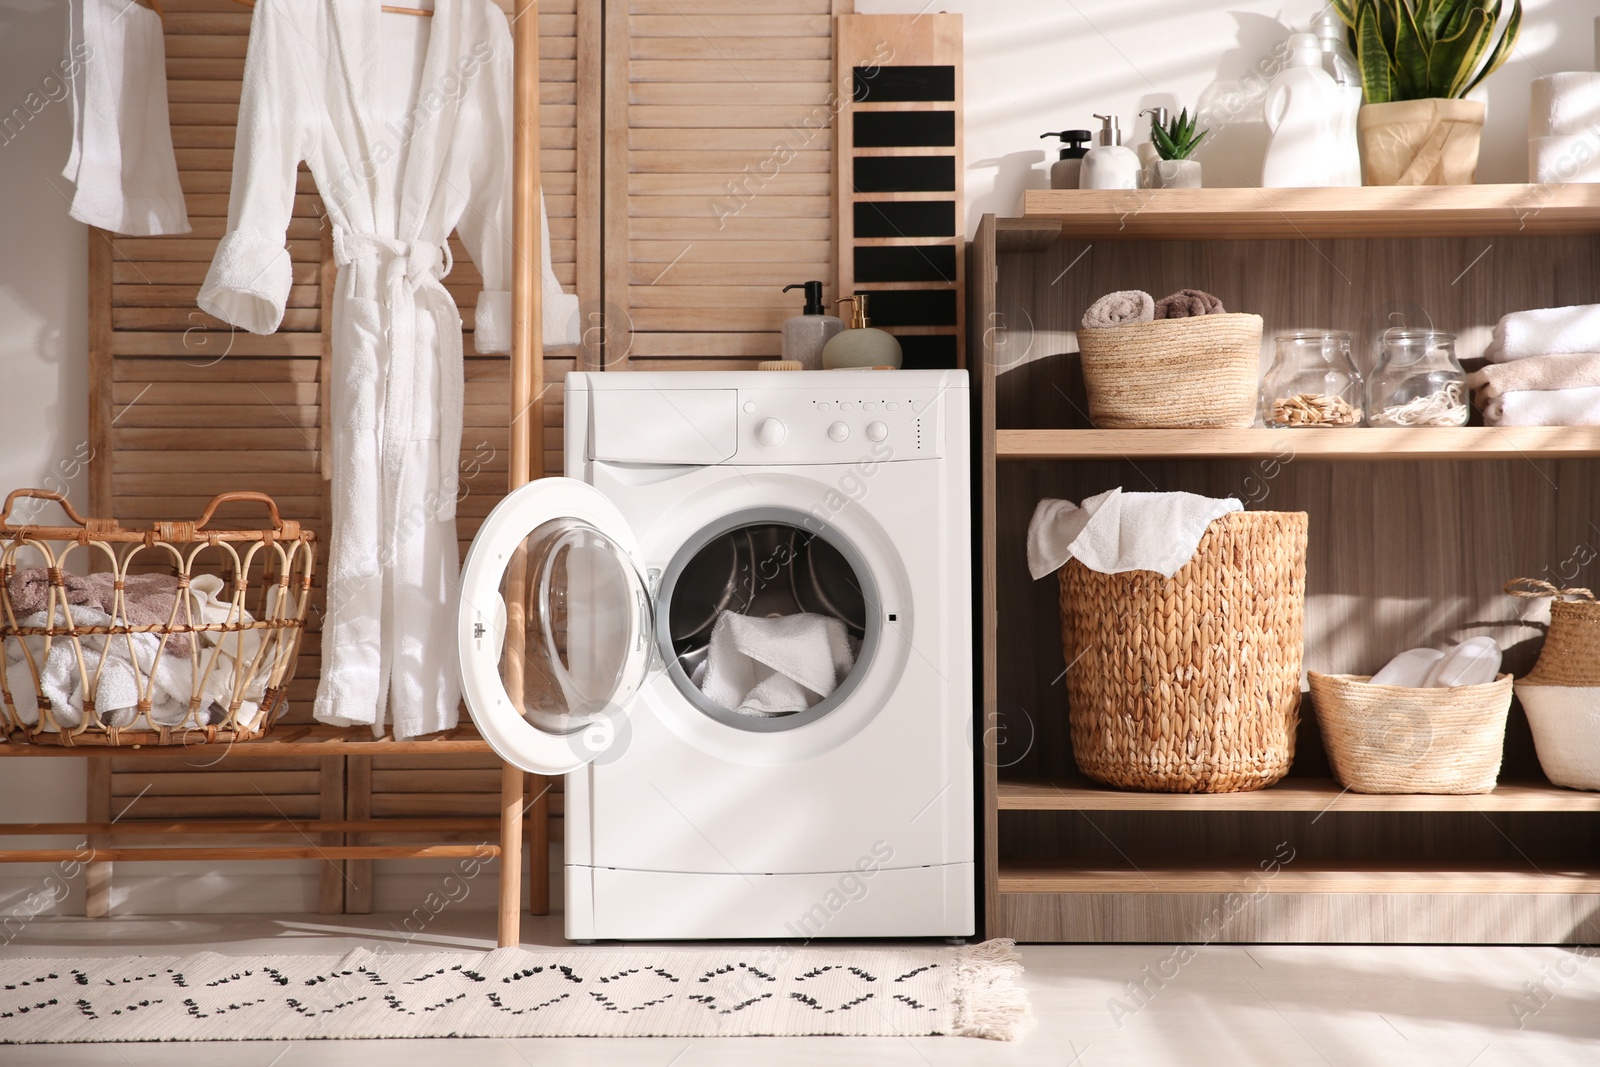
(176, 634)
(1191, 684)
(1173, 373)
(1396, 739)
(1571, 653)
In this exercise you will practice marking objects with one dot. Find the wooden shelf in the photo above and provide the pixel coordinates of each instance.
(1291, 794)
(1376, 211)
(1364, 444)
(291, 742)
(1297, 876)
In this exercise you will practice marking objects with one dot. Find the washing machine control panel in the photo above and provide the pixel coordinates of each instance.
(834, 425)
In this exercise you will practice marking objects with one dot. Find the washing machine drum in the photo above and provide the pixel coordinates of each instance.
(558, 628)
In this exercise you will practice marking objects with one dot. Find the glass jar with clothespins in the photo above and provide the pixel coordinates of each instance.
(1418, 380)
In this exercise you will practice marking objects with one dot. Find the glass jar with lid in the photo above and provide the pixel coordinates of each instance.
(1313, 381)
(1418, 380)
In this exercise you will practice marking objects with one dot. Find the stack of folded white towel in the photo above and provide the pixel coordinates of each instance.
(1544, 369)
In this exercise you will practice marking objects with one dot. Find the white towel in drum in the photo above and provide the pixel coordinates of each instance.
(1117, 531)
(767, 667)
(122, 160)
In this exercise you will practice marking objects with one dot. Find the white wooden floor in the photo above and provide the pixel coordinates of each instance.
(1275, 1006)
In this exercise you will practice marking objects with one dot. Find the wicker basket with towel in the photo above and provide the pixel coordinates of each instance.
(1178, 362)
(174, 634)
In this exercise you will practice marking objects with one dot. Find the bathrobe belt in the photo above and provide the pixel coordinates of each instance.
(407, 268)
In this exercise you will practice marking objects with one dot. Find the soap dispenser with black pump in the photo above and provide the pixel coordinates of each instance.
(805, 335)
(1110, 164)
(1065, 171)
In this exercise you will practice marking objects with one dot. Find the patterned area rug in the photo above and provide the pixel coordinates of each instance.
(738, 991)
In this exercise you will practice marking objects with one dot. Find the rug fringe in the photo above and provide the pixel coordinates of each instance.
(988, 1002)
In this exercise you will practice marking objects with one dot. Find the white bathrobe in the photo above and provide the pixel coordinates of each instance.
(406, 126)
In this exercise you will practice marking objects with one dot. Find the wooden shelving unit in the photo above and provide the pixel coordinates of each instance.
(1405, 551)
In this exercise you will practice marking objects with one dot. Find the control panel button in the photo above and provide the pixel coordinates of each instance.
(877, 431)
(892, 406)
(916, 405)
(824, 406)
(770, 432)
(839, 431)
(847, 406)
(869, 406)
(749, 407)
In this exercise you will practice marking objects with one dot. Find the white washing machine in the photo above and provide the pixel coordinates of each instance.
(835, 493)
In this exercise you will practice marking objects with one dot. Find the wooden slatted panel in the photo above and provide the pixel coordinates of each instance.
(421, 786)
(719, 133)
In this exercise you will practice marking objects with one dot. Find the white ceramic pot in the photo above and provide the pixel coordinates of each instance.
(1566, 732)
(1173, 174)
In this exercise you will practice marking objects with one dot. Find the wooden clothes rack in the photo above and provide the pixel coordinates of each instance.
(324, 743)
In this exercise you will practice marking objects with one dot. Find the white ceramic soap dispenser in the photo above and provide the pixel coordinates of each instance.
(1302, 108)
(1110, 164)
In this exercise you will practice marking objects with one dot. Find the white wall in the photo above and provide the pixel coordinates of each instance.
(1031, 66)
(43, 368)
(1037, 65)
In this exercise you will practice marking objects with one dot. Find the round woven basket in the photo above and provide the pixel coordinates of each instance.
(1396, 739)
(1565, 720)
(1190, 684)
(1571, 653)
(1173, 373)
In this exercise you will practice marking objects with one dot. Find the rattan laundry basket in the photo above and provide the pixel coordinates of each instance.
(1173, 373)
(176, 634)
(1571, 653)
(1191, 684)
(1395, 739)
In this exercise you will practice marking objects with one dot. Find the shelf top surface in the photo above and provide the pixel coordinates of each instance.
(1291, 794)
(1359, 443)
(1295, 874)
(285, 740)
(1368, 211)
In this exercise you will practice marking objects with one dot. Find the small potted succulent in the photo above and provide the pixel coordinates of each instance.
(1174, 144)
(1419, 59)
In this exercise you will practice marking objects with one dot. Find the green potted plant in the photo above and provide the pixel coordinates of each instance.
(1419, 59)
(1174, 144)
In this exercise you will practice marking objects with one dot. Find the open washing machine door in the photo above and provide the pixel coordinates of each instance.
(555, 626)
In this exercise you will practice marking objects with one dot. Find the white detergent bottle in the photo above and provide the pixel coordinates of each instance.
(1339, 63)
(1302, 108)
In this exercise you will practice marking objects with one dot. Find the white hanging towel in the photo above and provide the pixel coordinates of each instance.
(1117, 531)
(122, 160)
(406, 126)
(767, 667)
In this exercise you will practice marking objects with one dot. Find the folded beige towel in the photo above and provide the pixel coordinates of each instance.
(1541, 373)
(1188, 303)
(147, 599)
(1119, 309)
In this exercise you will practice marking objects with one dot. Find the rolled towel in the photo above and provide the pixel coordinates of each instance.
(1119, 309)
(1188, 303)
(1555, 407)
(1545, 332)
(1565, 104)
(1570, 370)
(1558, 160)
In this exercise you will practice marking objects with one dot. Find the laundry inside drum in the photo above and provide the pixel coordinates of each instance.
(767, 620)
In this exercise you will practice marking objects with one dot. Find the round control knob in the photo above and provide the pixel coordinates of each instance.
(877, 431)
(770, 432)
(839, 431)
